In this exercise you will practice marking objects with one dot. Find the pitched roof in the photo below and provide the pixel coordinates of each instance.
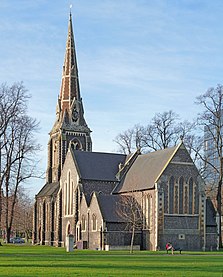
(146, 170)
(49, 189)
(109, 206)
(98, 166)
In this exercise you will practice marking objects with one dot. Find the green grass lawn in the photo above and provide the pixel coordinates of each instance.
(21, 260)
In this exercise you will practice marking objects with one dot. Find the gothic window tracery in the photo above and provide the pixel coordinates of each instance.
(181, 195)
(147, 211)
(186, 200)
(171, 194)
(191, 192)
(76, 145)
(176, 199)
(68, 195)
(196, 199)
(65, 198)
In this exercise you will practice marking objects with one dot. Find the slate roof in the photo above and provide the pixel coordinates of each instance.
(98, 166)
(109, 205)
(49, 189)
(145, 171)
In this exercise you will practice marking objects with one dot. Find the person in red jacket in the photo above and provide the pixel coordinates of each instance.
(169, 246)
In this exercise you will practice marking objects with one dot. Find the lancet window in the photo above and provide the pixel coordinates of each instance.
(181, 197)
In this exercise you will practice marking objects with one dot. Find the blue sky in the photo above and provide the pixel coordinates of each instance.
(135, 58)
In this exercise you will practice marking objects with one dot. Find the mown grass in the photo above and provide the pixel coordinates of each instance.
(21, 260)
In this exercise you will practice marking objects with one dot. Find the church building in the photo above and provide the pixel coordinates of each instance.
(86, 192)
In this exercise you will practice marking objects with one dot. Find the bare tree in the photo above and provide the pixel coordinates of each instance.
(18, 149)
(13, 101)
(23, 219)
(130, 211)
(131, 140)
(210, 147)
(163, 131)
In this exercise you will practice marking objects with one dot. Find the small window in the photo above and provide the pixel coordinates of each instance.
(181, 236)
(83, 223)
(94, 223)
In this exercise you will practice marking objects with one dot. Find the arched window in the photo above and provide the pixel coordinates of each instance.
(186, 199)
(166, 198)
(68, 194)
(65, 198)
(40, 212)
(171, 195)
(176, 199)
(181, 195)
(191, 193)
(147, 211)
(76, 144)
(196, 199)
(44, 216)
(94, 222)
(83, 223)
(47, 217)
(71, 197)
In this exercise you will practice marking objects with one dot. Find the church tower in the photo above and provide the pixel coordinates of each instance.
(70, 126)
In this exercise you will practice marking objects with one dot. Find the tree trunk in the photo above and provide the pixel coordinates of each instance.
(219, 211)
(132, 240)
(0, 207)
(8, 235)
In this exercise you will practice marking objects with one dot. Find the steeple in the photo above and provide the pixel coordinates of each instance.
(70, 83)
(70, 127)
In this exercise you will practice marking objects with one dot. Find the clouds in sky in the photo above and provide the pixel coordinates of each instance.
(135, 58)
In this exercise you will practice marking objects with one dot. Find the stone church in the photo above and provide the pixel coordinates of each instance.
(85, 190)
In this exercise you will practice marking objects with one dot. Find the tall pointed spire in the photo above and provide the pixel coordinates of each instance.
(70, 127)
(70, 89)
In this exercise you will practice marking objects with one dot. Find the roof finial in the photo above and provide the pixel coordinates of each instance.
(70, 9)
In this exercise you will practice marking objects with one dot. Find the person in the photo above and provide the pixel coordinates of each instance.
(169, 246)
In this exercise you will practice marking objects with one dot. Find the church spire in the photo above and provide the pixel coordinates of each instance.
(70, 127)
(70, 89)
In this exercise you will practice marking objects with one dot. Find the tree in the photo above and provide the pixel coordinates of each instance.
(164, 130)
(23, 214)
(131, 139)
(210, 147)
(130, 211)
(18, 147)
(23, 219)
(12, 103)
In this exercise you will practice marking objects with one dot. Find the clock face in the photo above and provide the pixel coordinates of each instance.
(75, 115)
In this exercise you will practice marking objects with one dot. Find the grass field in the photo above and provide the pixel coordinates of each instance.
(21, 260)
